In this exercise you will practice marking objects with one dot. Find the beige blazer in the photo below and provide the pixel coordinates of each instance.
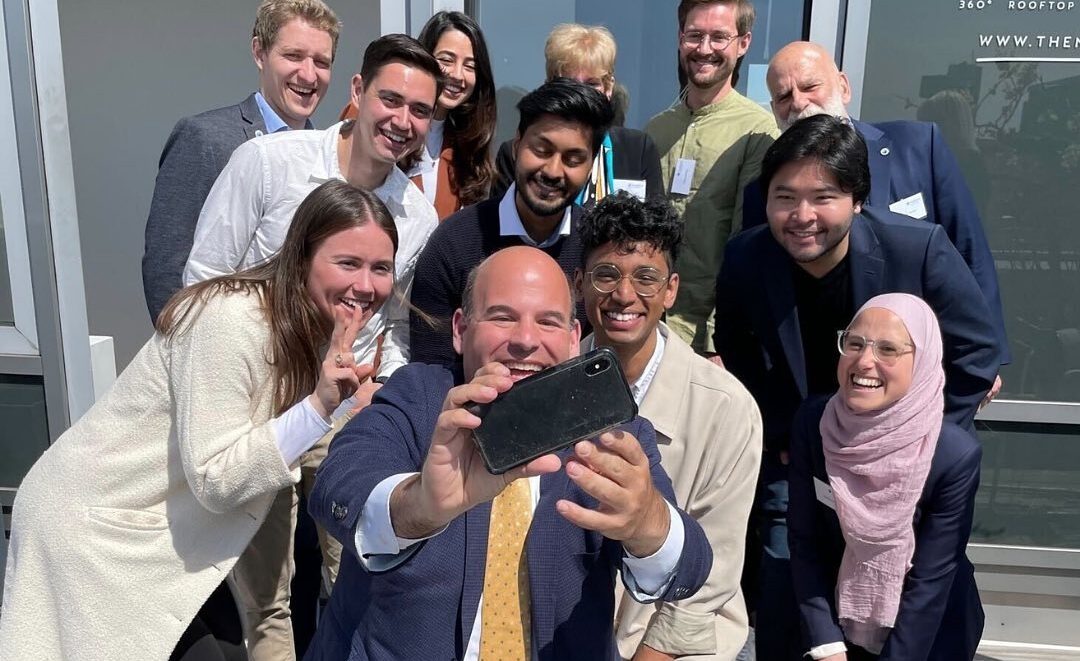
(708, 429)
(126, 524)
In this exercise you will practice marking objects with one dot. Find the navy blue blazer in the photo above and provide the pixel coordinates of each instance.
(424, 608)
(757, 322)
(194, 155)
(907, 158)
(940, 616)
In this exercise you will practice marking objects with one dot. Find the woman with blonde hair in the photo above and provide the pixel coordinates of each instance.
(882, 492)
(136, 514)
(628, 160)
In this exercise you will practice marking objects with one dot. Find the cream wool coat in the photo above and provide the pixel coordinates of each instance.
(133, 517)
(708, 431)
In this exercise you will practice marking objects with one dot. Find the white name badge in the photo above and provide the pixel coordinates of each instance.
(912, 206)
(635, 187)
(825, 493)
(683, 176)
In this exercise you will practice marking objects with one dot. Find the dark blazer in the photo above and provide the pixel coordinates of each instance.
(907, 158)
(757, 323)
(457, 245)
(424, 608)
(633, 156)
(940, 616)
(194, 155)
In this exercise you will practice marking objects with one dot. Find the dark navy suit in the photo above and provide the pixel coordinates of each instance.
(940, 616)
(908, 158)
(758, 337)
(424, 608)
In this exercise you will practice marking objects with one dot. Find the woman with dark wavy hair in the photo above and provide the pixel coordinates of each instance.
(135, 515)
(454, 168)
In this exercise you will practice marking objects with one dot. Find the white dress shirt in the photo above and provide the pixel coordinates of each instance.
(510, 222)
(250, 207)
(641, 386)
(428, 165)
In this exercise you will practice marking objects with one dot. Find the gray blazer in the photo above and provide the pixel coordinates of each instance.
(194, 155)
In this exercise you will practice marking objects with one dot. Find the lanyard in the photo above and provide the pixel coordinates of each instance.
(608, 173)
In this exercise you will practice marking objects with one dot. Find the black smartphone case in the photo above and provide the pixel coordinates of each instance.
(552, 409)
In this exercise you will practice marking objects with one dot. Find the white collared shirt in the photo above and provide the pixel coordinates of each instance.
(428, 165)
(510, 222)
(250, 207)
(641, 386)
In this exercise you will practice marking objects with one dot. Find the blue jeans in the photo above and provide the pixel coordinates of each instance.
(777, 634)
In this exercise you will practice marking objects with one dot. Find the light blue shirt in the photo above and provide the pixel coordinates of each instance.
(271, 119)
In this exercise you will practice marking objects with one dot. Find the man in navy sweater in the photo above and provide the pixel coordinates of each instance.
(562, 125)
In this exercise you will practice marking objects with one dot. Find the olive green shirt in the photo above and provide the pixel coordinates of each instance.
(727, 140)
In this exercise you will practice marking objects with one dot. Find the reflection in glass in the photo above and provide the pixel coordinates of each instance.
(1015, 129)
(1029, 494)
(23, 419)
(7, 313)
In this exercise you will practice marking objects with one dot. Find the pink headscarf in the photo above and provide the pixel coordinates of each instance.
(877, 464)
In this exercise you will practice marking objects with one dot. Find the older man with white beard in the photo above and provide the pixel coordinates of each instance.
(913, 173)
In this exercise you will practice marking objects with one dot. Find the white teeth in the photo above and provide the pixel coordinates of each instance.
(524, 367)
(394, 137)
(866, 381)
(621, 316)
(353, 303)
(804, 234)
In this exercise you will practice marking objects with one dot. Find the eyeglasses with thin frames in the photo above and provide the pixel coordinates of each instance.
(718, 40)
(885, 352)
(646, 280)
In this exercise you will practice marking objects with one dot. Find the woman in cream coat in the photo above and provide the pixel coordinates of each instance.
(136, 514)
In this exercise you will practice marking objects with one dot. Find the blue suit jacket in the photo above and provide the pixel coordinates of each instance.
(194, 155)
(424, 608)
(757, 322)
(940, 616)
(907, 158)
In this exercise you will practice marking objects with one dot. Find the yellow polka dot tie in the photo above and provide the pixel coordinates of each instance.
(507, 620)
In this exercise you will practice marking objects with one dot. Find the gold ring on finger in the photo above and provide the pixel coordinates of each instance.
(339, 361)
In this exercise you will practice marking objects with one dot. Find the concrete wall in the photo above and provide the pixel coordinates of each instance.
(131, 70)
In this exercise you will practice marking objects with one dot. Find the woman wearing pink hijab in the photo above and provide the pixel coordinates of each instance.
(882, 494)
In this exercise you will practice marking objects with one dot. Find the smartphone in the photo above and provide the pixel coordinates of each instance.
(552, 409)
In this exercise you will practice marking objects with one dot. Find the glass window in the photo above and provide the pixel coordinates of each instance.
(1003, 82)
(22, 413)
(7, 312)
(646, 34)
(1029, 494)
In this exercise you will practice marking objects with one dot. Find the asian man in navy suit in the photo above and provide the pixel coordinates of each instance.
(796, 281)
(293, 44)
(913, 172)
(404, 489)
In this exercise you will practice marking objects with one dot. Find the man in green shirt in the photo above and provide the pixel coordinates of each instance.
(711, 141)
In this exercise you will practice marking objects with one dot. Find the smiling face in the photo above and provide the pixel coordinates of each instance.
(352, 268)
(803, 81)
(625, 319)
(295, 71)
(865, 383)
(454, 52)
(521, 315)
(706, 66)
(553, 161)
(395, 110)
(809, 215)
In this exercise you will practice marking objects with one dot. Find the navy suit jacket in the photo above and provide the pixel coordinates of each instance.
(194, 155)
(940, 614)
(757, 322)
(908, 158)
(633, 156)
(424, 608)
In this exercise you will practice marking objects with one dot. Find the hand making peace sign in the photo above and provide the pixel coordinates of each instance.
(340, 376)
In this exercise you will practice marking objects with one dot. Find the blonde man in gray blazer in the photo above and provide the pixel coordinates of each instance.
(708, 427)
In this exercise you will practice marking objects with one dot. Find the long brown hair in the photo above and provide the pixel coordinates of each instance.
(470, 126)
(297, 329)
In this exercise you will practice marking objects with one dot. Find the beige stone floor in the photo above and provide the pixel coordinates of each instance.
(991, 652)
